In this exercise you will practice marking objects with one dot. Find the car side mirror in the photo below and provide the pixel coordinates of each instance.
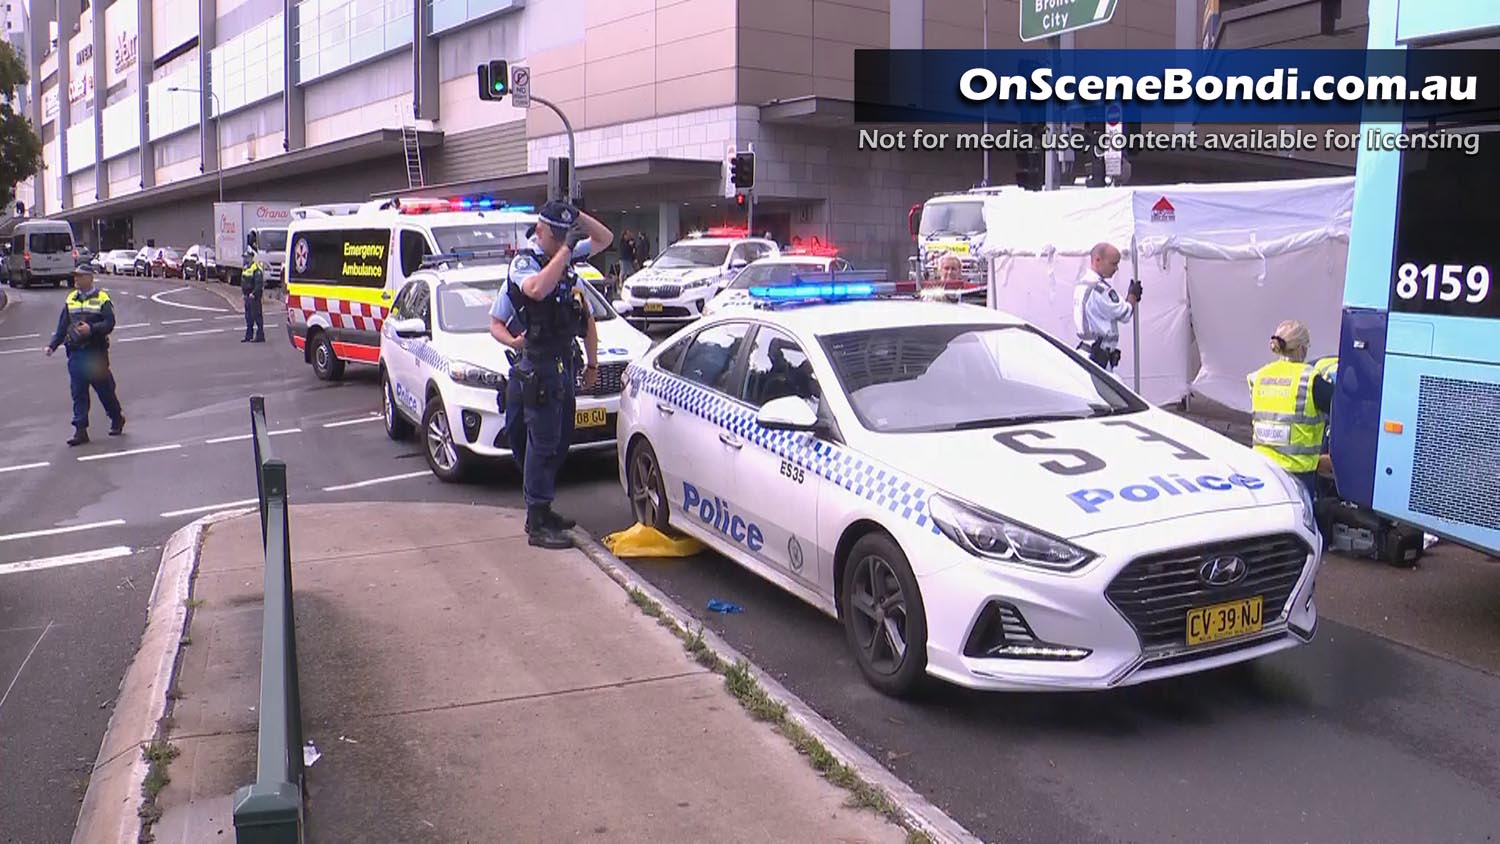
(646, 263)
(621, 307)
(410, 327)
(787, 413)
(738, 264)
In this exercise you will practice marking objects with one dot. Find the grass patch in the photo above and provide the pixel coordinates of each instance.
(192, 603)
(741, 682)
(159, 755)
(185, 640)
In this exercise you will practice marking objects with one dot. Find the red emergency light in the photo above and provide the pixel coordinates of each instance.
(457, 203)
(817, 249)
(728, 231)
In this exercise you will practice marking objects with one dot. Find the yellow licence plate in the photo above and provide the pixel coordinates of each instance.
(1224, 621)
(596, 417)
(653, 307)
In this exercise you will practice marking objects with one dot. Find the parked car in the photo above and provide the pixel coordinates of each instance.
(199, 262)
(84, 257)
(118, 262)
(166, 263)
(141, 264)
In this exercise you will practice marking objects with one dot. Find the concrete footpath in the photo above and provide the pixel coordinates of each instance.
(462, 686)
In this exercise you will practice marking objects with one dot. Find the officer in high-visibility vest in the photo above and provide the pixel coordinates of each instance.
(253, 286)
(1289, 404)
(83, 327)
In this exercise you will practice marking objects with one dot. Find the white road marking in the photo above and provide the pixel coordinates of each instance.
(147, 450)
(207, 507)
(34, 645)
(142, 296)
(22, 351)
(229, 316)
(79, 558)
(142, 337)
(202, 331)
(160, 301)
(370, 418)
(180, 321)
(217, 440)
(4, 469)
(20, 337)
(132, 325)
(32, 534)
(374, 481)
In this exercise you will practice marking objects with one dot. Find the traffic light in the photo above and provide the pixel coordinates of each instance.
(1031, 164)
(494, 80)
(739, 200)
(742, 170)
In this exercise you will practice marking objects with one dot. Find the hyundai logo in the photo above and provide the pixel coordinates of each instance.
(1223, 571)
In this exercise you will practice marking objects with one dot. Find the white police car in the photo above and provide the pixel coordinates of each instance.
(681, 280)
(441, 371)
(787, 268)
(969, 496)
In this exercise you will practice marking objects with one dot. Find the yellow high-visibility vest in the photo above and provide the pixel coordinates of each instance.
(89, 303)
(1287, 427)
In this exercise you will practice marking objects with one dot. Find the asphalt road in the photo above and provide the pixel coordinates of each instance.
(1358, 737)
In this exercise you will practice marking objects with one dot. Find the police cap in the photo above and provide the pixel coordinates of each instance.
(559, 215)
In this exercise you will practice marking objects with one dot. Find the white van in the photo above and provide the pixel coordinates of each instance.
(345, 264)
(42, 252)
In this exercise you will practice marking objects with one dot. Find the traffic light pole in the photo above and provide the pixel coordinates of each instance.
(572, 157)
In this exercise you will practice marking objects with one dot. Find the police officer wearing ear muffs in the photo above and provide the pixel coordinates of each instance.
(541, 300)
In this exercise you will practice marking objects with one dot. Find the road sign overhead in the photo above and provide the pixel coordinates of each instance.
(1050, 18)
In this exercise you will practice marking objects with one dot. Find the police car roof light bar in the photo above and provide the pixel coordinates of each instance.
(846, 291)
(728, 231)
(816, 249)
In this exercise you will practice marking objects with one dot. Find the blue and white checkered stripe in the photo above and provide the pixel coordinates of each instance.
(881, 485)
(429, 355)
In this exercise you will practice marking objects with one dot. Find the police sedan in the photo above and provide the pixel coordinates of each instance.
(972, 499)
(786, 268)
(442, 372)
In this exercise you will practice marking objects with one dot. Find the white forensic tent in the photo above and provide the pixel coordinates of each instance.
(1221, 265)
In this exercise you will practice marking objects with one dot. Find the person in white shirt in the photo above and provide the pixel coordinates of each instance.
(950, 269)
(1098, 309)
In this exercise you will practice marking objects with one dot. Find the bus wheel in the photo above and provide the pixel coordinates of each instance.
(325, 363)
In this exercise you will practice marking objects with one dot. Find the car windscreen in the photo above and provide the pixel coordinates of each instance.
(170, 254)
(680, 255)
(952, 218)
(51, 242)
(464, 306)
(923, 378)
(271, 240)
(480, 236)
(772, 274)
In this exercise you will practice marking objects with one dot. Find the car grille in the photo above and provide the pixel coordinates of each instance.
(609, 380)
(659, 291)
(1154, 593)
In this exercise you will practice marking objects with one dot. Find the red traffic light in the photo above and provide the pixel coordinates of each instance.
(739, 200)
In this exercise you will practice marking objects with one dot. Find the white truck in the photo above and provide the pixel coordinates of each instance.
(261, 226)
(953, 222)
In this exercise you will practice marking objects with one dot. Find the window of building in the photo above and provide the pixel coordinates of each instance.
(334, 34)
(452, 14)
(249, 67)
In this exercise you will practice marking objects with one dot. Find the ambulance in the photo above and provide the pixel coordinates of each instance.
(346, 262)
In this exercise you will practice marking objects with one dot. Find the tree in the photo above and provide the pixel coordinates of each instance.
(20, 148)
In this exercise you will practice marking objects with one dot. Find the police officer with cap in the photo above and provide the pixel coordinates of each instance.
(1098, 310)
(541, 315)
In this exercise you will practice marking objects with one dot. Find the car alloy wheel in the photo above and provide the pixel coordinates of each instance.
(444, 456)
(883, 616)
(648, 495)
(396, 425)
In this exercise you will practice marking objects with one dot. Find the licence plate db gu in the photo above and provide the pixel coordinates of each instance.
(1224, 621)
(593, 417)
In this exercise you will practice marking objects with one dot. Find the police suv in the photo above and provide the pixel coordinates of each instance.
(675, 286)
(971, 498)
(442, 372)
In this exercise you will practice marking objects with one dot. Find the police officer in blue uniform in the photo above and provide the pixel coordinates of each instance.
(87, 318)
(541, 316)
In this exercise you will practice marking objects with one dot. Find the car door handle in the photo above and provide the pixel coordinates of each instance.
(731, 440)
(665, 408)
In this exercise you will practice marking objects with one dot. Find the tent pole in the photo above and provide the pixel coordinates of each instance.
(1135, 316)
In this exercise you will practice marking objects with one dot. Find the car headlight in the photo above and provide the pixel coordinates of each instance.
(475, 376)
(1296, 488)
(987, 535)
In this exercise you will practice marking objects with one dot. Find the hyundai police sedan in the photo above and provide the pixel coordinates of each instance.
(442, 373)
(679, 282)
(972, 499)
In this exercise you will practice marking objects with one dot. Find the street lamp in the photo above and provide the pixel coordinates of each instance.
(218, 147)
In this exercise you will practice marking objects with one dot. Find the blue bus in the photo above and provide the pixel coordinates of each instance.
(1416, 416)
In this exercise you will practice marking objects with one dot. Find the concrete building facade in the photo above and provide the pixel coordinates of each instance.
(309, 100)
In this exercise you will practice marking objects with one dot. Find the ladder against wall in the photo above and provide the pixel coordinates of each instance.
(413, 147)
